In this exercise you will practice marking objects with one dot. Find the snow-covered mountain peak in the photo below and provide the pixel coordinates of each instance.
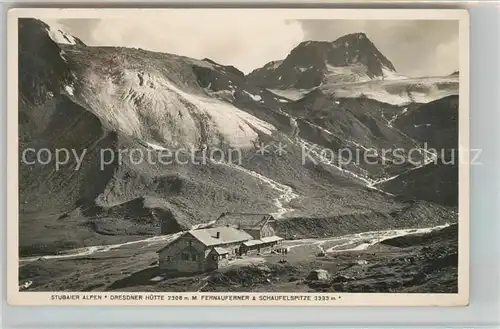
(312, 63)
(357, 48)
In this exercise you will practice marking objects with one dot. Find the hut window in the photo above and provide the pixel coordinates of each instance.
(184, 256)
(169, 258)
(193, 257)
(215, 257)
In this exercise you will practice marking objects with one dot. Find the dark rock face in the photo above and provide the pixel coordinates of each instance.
(358, 48)
(42, 69)
(220, 79)
(434, 123)
(307, 64)
(351, 125)
(435, 182)
(228, 68)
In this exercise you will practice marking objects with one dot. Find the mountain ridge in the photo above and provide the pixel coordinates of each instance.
(118, 98)
(308, 64)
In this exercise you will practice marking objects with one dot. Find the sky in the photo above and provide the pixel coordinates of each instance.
(415, 47)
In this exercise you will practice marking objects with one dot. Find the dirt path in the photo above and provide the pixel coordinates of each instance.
(86, 251)
(351, 242)
(287, 193)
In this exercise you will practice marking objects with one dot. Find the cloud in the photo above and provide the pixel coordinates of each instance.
(245, 42)
(81, 28)
(416, 48)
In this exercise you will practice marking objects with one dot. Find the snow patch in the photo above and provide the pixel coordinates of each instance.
(252, 96)
(156, 147)
(287, 194)
(62, 53)
(394, 118)
(276, 64)
(236, 125)
(359, 145)
(357, 241)
(320, 128)
(156, 279)
(389, 74)
(57, 34)
(26, 285)
(292, 94)
(377, 237)
(69, 90)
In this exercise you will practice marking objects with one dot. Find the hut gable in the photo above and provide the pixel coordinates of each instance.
(243, 221)
(257, 225)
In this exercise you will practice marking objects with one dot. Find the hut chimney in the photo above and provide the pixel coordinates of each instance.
(217, 235)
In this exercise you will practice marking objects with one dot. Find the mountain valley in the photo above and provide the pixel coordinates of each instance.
(331, 141)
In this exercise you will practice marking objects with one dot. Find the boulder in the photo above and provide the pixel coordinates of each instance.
(318, 275)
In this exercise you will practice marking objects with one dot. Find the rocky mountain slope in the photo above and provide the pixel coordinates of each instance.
(100, 103)
(351, 58)
(436, 125)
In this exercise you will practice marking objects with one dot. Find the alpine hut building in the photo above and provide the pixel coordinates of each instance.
(206, 249)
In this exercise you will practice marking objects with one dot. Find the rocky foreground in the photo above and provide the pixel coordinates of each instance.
(420, 263)
(424, 263)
